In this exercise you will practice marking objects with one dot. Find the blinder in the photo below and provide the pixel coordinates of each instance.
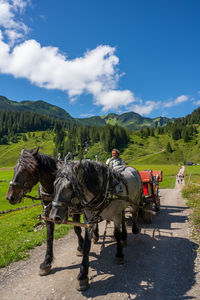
(16, 184)
(21, 186)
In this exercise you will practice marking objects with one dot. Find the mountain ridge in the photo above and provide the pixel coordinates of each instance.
(38, 106)
(129, 120)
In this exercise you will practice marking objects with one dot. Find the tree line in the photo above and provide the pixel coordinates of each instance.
(14, 122)
(179, 129)
(79, 138)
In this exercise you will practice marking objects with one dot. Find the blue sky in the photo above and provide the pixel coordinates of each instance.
(93, 57)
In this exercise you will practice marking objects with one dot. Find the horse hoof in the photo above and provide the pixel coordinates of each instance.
(119, 260)
(124, 243)
(79, 252)
(44, 272)
(82, 285)
(95, 239)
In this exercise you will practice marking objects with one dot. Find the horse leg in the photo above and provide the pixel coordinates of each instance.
(45, 267)
(82, 278)
(77, 230)
(135, 211)
(95, 234)
(119, 257)
(124, 231)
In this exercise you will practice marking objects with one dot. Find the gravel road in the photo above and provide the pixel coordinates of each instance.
(161, 263)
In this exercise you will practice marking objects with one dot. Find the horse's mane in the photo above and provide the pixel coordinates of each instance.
(47, 162)
(32, 161)
(85, 173)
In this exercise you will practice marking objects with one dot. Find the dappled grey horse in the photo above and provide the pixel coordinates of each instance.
(91, 186)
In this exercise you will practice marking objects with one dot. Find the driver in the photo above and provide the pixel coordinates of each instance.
(115, 160)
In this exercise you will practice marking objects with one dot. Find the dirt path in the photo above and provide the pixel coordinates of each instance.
(161, 263)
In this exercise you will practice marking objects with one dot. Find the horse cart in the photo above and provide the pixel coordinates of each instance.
(150, 188)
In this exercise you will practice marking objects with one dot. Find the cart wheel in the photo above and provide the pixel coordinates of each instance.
(148, 215)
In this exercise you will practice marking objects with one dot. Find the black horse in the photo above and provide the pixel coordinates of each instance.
(91, 186)
(34, 167)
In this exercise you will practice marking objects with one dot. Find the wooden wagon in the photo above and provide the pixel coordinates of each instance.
(150, 188)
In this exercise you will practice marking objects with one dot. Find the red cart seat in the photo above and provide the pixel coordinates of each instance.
(146, 176)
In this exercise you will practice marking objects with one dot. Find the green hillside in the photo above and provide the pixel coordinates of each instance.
(10, 153)
(92, 121)
(153, 150)
(130, 120)
(150, 150)
(40, 107)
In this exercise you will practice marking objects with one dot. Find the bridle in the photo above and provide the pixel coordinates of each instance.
(24, 189)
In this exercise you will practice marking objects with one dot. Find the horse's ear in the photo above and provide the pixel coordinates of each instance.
(35, 151)
(22, 151)
(77, 165)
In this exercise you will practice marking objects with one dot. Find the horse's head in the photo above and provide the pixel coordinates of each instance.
(25, 176)
(63, 196)
(75, 186)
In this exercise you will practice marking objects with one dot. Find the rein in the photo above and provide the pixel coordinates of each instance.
(31, 197)
(22, 187)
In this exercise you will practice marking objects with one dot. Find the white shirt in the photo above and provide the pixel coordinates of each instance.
(113, 162)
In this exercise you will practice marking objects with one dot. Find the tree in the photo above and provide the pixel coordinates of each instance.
(24, 138)
(176, 134)
(152, 132)
(186, 137)
(169, 148)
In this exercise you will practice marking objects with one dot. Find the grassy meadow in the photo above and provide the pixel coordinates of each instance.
(19, 232)
(18, 229)
(9, 154)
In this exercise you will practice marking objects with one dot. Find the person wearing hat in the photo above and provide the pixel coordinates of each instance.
(115, 160)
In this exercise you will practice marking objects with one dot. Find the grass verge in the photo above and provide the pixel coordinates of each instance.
(19, 234)
(192, 194)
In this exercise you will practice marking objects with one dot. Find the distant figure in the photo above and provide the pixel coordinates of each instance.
(115, 160)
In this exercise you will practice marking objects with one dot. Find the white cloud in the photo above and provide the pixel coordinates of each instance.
(13, 36)
(8, 21)
(179, 100)
(169, 104)
(21, 4)
(196, 102)
(114, 98)
(86, 115)
(1, 35)
(95, 72)
(145, 108)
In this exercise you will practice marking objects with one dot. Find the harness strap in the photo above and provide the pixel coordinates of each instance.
(31, 197)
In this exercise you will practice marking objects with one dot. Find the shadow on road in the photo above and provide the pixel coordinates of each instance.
(158, 264)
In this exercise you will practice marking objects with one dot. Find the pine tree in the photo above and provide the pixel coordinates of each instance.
(169, 148)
